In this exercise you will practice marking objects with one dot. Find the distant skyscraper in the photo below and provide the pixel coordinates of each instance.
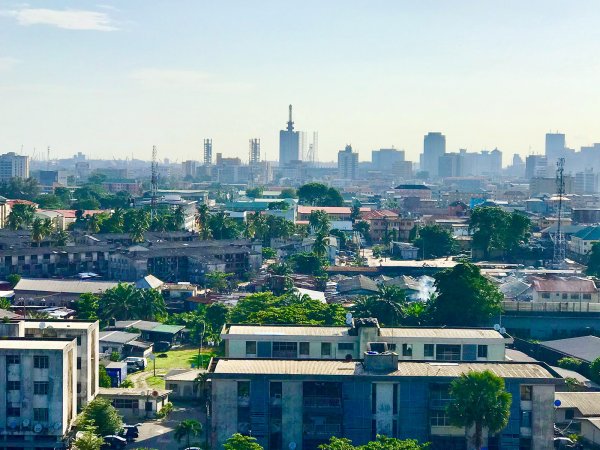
(13, 166)
(555, 147)
(450, 165)
(188, 168)
(254, 156)
(347, 163)
(289, 143)
(207, 152)
(434, 146)
(385, 158)
(535, 166)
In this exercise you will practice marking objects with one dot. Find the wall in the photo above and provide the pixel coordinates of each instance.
(224, 418)
(543, 417)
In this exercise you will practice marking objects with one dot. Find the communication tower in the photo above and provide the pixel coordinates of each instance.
(559, 238)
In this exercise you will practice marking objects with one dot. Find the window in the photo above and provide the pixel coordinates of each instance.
(395, 400)
(79, 340)
(243, 388)
(40, 362)
(79, 363)
(79, 388)
(348, 346)
(574, 296)
(526, 393)
(13, 385)
(304, 349)
(439, 419)
(565, 296)
(11, 411)
(407, 350)
(526, 419)
(546, 295)
(446, 352)
(325, 348)
(40, 414)
(482, 351)
(285, 349)
(373, 398)
(391, 347)
(428, 350)
(125, 403)
(13, 359)
(587, 296)
(250, 347)
(40, 388)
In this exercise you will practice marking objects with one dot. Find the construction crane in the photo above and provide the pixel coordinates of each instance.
(559, 238)
(153, 184)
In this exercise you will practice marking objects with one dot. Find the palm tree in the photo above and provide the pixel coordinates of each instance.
(20, 215)
(119, 303)
(139, 225)
(222, 226)
(151, 305)
(321, 244)
(187, 429)
(479, 399)
(160, 223)
(319, 221)
(178, 218)
(40, 228)
(202, 221)
(93, 223)
(387, 306)
(61, 238)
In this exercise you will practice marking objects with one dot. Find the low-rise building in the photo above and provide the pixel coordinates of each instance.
(135, 403)
(382, 223)
(124, 343)
(565, 289)
(151, 331)
(581, 242)
(43, 292)
(184, 384)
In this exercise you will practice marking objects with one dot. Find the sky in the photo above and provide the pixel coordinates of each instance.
(111, 79)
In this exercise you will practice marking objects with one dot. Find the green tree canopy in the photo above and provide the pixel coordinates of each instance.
(464, 297)
(288, 193)
(240, 442)
(595, 370)
(126, 302)
(308, 263)
(318, 194)
(381, 443)
(255, 192)
(101, 414)
(495, 229)
(480, 400)
(21, 215)
(593, 264)
(436, 241)
(187, 429)
(87, 306)
(387, 306)
(104, 379)
(88, 439)
(19, 188)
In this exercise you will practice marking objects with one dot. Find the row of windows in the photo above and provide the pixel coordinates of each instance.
(300, 348)
(39, 361)
(566, 296)
(39, 414)
(39, 387)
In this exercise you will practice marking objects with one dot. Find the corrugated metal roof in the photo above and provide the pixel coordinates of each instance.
(586, 348)
(168, 329)
(119, 337)
(274, 330)
(405, 369)
(454, 333)
(66, 286)
(588, 403)
(562, 284)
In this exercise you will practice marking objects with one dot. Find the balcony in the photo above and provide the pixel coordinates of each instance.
(326, 429)
(322, 402)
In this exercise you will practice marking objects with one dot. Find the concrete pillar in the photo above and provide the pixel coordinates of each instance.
(384, 405)
(291, 413)
(542, 420)
(224, 414)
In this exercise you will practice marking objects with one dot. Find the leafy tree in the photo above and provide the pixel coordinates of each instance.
(254, 192)
(381, 443)
(218, 281)
(363, 228)
(187, 429)
(61, 238)
(4, 303)
(495, 229)
(268, 253)
(96, 178)
(127, 383)
(101, 414)
(279, 206)
(222, 226)
(593, 264)
(319, 221)
(202, 222)
(336, 443)
(216, 316)
(436, 241)
(51, 201)
(280, 268)
(387, 306)
(19, 188)
(308, 263)
(88, 440)
(40, 228)
(570, 363)
(479, 399)
(13, 279)
(21, 215)
(240, 442)
(115, 223)
(595, 370)
(87, 306)
(126, 302)
(151, 305)
(317, 194)
(464, 297)
(355, 212)
(378, 251)
(139, 224)
(104, 380)
(288, 193)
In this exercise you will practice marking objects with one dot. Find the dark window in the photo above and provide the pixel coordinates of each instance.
(79, 362)
(407, 350)
(79, 388)
(13, 385)
(439, 419)
(373, 398)
(545, 295)
(285, 349)
(40, 414)
(428, 350)
(13, 359)
(391, 347)
(570, 413)
(373, 430)
(395, 428)
(125, 403)
(526, 419)
(250, 347)
(325, 348)
(79, 340)
(11, 411)
(395, 401)
(482, 351)
(526, 392)
(40, 362)
(243, 388)
(587, 296)
(574, 296)
(565, 296)
(40, 388)
(304, 349)
(446, 352)
(348, 346)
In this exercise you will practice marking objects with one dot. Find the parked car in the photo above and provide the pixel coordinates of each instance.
(113, 441)
(135, 364)
(162, 346)
(130, 432)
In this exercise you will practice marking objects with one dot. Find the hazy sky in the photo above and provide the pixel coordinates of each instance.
(113, 78)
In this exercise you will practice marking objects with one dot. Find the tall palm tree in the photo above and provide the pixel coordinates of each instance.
(61, 238)
(151, 305)
(319, 221)
(387, 306)
(40, 228)
(93, 223)
(21, 215)
(179, 218)
(119, 303)
(202, 218)
(187, 429)
(321, 244)
(139, 225)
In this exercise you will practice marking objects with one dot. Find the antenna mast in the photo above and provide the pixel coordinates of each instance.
(559, 238)
(153, 184)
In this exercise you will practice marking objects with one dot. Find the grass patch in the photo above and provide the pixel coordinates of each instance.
(180, 359)
(156, 382)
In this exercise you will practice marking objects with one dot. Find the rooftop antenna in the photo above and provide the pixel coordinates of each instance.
(559, 238)
(153, 184)
(290, 124)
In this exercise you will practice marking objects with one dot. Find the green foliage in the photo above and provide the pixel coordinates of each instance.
(464, 297)
(266, 308)
(21, 216)
(319, 221)
(388, 306)
(381, 443)
(355, 212)
(321, 244)
(104, 379)
(13, 279)
(87, 306)
(378, 251)
(240, 442)
(268, 253)
(595, 370)
(19, 188)
(593, 264)
(187, 429)
(88, 439)
(193, 321)
(570, 363)
(61, 238)
(317, 194)
(216, 316)
(436, 241)
(102, 415)
(127, 383)
(40, 229)
(218, 281)
(308, 263)
(255, 192)
(222, 226)
(51, 201)
(126, 302)
(279, 206)
(495, 229)
(165, 410)
(115, 356)
(479, 399)
(364, 229)
(288, 193)
(4, 303)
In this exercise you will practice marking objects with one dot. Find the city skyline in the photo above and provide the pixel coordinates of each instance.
(112, 80)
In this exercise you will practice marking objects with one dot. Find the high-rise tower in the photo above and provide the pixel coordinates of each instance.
(289, 143)
(207, 152)
(254, 157)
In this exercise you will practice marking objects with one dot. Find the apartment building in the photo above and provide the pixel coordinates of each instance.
(302, 403)
(13, 166)
(565, 289)
(38, 400)
(381, 223)
(350, 342)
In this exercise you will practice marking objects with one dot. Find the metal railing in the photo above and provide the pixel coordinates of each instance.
(585, 307)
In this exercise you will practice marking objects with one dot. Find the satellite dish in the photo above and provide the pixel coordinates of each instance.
(38, 427)
(348, 322)
(497, 327)
(557, 403)
(292, 445)
(25, 423)
(502, 330)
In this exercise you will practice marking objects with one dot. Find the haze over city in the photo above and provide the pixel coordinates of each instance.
(112, 79)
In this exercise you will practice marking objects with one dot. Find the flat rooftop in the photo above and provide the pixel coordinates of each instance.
(63, 286)
(34, 344)
(237, 367)
(57, 324)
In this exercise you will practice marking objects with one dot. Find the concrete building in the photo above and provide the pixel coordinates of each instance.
(188, 169)
(301, 404)
(37, 292)
(586, 182)
(307, 342)
(38, 398)
(135, 403)
(581, 241)
(51, 178)
(384, 159)
(434, 146)
(555, 147)
(347, 163)
(382, 223)
(450, 165)
(536, 166)
(183, 383)
(13, 166)
(289, 143)
(563, 289)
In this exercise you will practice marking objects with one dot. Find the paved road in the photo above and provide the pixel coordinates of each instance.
(158, 434)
